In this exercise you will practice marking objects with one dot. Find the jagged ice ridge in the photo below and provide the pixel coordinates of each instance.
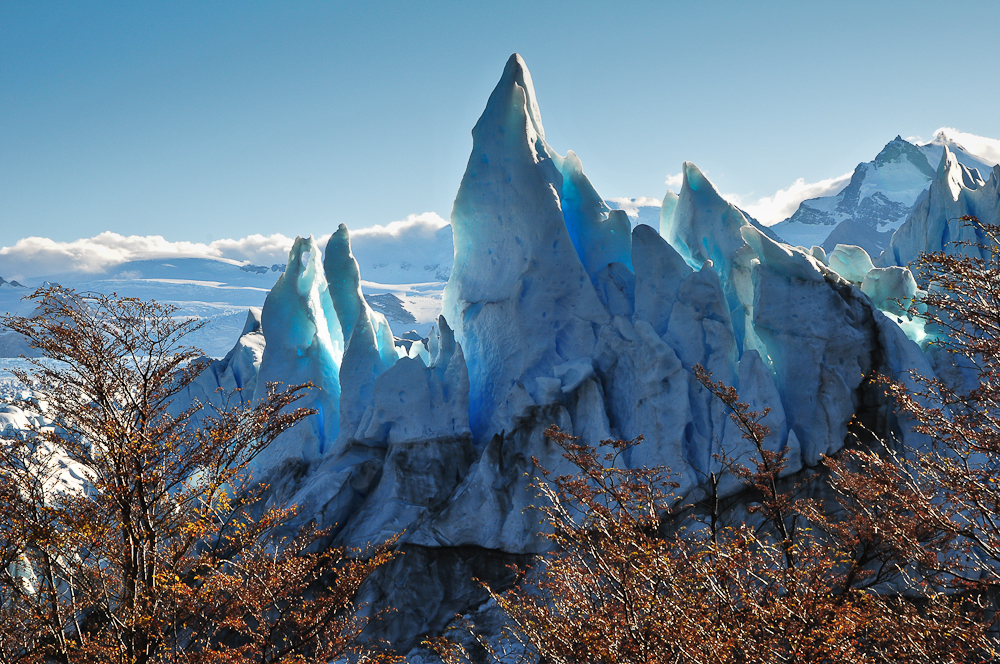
(558, 311)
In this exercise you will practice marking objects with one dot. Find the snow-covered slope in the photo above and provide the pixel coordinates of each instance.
(878, 197)
(220, 291)
(216, 290)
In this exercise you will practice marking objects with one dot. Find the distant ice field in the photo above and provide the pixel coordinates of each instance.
(10, 386)
(220, 294)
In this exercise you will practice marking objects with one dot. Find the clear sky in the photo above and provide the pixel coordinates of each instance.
(205, 120)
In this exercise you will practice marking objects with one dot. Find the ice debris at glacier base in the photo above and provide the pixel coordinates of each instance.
(557, 313)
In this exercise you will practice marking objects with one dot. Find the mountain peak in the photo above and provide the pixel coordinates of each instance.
(514, 88)
(948, 177)
(943, 137)
(695, 180)
(898, 150)
(11, 284)
(871, 206)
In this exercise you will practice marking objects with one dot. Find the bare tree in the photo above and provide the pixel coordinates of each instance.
(936, 506)
(126, 533)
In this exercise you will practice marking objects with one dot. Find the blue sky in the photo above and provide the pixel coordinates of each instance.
(201, 120)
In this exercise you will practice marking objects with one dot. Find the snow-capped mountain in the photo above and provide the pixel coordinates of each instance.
(878, 198)
(870, 207)
(4, 284)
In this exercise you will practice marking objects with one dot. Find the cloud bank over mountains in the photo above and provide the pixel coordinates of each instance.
(769, 210)
(36, 257)
(987, 149)
(417, 235)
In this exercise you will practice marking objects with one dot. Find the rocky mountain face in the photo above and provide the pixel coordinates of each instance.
(878, 198)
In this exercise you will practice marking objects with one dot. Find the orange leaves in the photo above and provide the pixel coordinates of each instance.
(160, 552)
(625, 585)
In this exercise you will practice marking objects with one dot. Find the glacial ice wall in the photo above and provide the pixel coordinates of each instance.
(557, 313)
(520, 298)
(369, 348)
(304, 343)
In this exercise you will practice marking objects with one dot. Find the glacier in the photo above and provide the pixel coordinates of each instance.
(934, 224)
(560, 309)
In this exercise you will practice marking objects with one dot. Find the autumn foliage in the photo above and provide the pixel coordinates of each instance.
(938, 506)
(886, 553)
(620, 587)
(129, 530)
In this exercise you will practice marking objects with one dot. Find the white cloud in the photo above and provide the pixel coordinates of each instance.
(769, 210)
(987, 149)
(674, 181)
(38, 256)
(257, 249)
(34, 257)
(422, 239)
(427, 223)
(631, 205)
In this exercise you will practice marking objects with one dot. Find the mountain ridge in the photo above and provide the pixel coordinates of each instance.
(878, 198)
